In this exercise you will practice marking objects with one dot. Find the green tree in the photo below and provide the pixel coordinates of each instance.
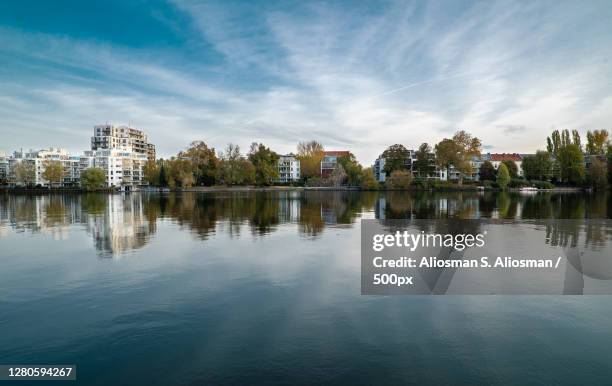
(487, 171)
(354, 171)
(512, 168)
(54, 172)
(265, 162)
(310, 155)
(596, 142)
(609, 157)
(163, 176)
(396, 157)
(24, 173)
(571, 164)
(93, 178)
(399, 180)
(424, 164)
(538, 166)
(232, 166)
(367, 180)
(598, 174)
(503, 176)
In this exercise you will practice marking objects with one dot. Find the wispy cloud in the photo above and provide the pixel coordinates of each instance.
(354, 75)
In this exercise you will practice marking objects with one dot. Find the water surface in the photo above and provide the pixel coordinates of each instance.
(189, 289)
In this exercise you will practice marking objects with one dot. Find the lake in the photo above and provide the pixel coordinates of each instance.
(264, 287)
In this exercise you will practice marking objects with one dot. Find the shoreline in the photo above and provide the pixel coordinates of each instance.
(211, 189)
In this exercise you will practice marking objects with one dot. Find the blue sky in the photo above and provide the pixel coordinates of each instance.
(357, 75)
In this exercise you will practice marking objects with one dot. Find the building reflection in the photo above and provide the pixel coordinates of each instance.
(119, 223)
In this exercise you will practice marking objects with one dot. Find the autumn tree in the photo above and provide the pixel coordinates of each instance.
(310, 155)
(458, 152)
(399, 180)
(24, 173)
(368, 180)
(597, 141)
(234, 168)
(205, 162)
(598, 174)
(54, 172)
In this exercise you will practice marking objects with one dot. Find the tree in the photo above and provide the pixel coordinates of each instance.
(265, 162)
(571, 164)
(24, 173)
(368, 181)
(598, 174)
(487, 171)
(163, 177)
(458, 152)
(310, 155)
(354, 171)
(93, 178)
(205, 162)
(576, 139)
(503, 176)
(54, 172)
(596, 142)
(151, 172)
(538, 166)
(337, 176)
(423, 164)
(396, 157)
(399, 180)
(231, 167)
(512, 168)
(609, 157)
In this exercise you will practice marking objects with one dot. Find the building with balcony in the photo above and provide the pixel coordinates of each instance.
(109, 136)
(330, 160)
(497, 158)
(288, 168)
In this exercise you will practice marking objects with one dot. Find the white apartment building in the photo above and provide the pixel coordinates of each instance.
(37, 160)
(288, 168)
(122, 168)
(109, 136)
(439, 174)
(4, 168)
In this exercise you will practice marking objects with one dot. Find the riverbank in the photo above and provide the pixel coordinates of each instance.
(446, 188)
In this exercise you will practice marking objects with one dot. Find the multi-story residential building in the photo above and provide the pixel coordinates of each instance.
(4, 168)
(409, 164)
(122, 168)
(122, 137)
(38, 160)
(288, 168)
(330, 160)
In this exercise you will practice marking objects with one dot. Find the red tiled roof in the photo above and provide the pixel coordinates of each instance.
(505, 157)
(338, 153)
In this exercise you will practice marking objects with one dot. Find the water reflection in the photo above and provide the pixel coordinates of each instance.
(120, 223)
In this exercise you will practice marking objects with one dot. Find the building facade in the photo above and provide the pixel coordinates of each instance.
(288, 168)
(122, 137)
(330, 160)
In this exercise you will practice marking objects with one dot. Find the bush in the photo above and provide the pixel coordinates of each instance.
(542, 184)
(420, 183)
(488, 183)
(518, 183)
(399, 180)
